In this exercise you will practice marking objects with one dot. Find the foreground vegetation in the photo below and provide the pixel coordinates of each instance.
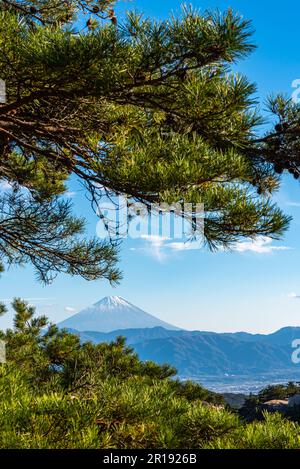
(58, 393)
(254, 406)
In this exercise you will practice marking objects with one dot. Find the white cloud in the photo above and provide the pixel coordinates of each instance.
(155, 246)
(185, 246)
(293, 295)
(154, 238)
(293, 204)
(69, 309)
(161, 247)
(70, 194)
(259, 245)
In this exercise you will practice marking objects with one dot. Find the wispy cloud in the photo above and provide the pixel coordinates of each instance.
(185, 246)
(69, 309)
(161, 248)
(155, 246)
(293, 204)
(260, 245)
(31, 300)
(70, 194)
(293, 295)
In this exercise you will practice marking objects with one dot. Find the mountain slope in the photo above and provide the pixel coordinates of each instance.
(197, 354)
(113, 313)
(133, 336)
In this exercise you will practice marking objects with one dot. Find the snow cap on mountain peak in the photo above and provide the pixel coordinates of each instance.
(112, 301)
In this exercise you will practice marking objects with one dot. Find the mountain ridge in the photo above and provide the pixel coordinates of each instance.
(197, 354)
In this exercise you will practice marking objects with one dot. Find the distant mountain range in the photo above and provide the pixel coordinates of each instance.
(195, 354)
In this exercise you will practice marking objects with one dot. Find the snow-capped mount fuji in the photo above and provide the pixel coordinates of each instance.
(113, 313)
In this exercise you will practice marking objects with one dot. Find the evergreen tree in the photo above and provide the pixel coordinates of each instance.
(137, 107)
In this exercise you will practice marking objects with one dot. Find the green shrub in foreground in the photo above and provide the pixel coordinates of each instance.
(58, 393)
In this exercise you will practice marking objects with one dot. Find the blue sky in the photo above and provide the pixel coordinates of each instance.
(254, 288)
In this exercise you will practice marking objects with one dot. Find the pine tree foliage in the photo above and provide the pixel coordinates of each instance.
(143, 108)
(45, 234)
